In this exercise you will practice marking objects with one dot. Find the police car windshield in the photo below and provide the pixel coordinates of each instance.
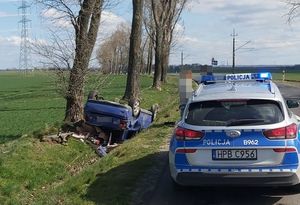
(234, 113)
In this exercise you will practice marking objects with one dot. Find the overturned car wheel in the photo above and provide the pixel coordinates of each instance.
(154, 110)
(135, 105)
(93, 95)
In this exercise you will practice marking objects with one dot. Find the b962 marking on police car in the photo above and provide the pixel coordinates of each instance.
(250, 142)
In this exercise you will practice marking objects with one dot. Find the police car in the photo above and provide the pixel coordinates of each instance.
(236, 130)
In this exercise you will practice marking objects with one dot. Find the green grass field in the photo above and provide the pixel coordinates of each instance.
(34, 172)
(30, 102)
(27, 102)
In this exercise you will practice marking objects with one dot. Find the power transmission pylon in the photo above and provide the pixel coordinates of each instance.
(25, 59)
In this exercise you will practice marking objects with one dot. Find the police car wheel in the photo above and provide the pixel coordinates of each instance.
(177, 186)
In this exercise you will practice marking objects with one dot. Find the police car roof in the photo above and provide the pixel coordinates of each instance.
(236, 90)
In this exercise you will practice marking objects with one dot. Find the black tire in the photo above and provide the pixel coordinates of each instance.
(135, 106)
(93, 95)
(176, 186)
(154, 110)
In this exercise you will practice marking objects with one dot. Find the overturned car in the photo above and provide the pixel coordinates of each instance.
(120, 121)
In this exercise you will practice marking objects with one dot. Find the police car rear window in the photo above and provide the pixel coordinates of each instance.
(234, 113)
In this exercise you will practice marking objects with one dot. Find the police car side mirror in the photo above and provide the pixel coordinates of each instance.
(292, 103)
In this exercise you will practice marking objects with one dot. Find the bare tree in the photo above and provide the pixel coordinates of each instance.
(294, 9)
(150, 31)
(166, 14)
(84, 16)
(58, 54)
(132, 87)
(113, 52)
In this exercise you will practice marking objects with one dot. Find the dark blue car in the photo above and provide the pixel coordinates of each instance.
(121, 120)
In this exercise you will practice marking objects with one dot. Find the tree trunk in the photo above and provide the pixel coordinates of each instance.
(86, 30)
(158, 60)
(132, 87)
(74, 108)
(165, 62)
(150, 56)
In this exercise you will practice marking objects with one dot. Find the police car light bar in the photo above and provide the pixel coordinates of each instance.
(206, 79)
(248, 76)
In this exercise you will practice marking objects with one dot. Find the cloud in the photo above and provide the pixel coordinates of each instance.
(10, 41)
(15, 41)
(273, 40)
(56, 17)
(8, 1)
(110, 22)
(5, 14)
(254, 13)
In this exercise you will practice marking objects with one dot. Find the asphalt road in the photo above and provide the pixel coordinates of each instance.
(165, 193)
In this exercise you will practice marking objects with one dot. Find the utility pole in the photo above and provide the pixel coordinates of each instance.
(233, 49)
(24, 60)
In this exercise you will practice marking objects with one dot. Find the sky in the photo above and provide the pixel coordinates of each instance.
(204, 31)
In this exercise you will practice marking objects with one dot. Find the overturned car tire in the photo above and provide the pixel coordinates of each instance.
(135, 105)
(93, 95)
(154, 110)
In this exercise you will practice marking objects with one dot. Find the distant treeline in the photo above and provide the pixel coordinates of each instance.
(197, 68)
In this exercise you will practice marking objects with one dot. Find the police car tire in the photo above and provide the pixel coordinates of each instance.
(177, 186)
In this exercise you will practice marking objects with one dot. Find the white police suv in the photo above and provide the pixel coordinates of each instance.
(236, 131)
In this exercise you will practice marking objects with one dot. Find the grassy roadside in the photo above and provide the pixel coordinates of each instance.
(289, 76)
(39, 173)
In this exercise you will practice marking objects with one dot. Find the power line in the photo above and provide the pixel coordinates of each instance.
(24, 59)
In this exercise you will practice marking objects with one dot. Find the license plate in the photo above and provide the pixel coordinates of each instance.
(104, 119)
(234, 154)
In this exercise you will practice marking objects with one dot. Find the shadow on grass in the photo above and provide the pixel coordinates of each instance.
(8, 138)
(116, 185)
(164, 124)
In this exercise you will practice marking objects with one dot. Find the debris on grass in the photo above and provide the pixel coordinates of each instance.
(93, 136)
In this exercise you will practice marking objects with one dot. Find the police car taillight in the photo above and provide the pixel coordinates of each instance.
(186, 134)
(289, 132)
(286, 149)
(186, 151)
